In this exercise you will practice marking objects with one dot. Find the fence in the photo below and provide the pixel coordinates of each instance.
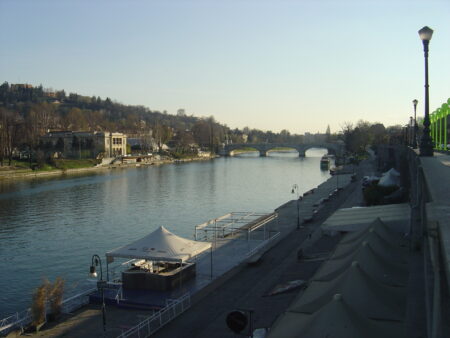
(21, 319)
(262, 245)
(16, 321)
(425, 237)
(148, 326)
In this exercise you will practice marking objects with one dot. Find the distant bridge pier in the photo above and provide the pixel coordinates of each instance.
(264, 148)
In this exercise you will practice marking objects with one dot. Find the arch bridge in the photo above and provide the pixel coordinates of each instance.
(264, 148)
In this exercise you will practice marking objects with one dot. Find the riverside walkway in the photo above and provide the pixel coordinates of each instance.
(437, 175)
(251, 286)
(86, 322)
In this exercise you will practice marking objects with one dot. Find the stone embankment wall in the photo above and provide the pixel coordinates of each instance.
(18, 174)
(427, 179)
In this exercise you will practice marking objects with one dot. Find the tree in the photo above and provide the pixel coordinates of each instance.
(284, 136)
(379, 134)
(9, 136)
(202, 133)
(61, 95)
(75, 120)
(162, 134)
(183, 141)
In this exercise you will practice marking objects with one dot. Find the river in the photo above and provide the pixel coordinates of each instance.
(52, 226)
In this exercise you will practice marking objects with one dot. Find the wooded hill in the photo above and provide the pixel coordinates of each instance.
(28, 112)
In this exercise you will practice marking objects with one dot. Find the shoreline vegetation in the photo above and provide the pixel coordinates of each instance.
(21, 169)
(25, 169)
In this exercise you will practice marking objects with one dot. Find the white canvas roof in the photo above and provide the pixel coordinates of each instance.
(161, 245)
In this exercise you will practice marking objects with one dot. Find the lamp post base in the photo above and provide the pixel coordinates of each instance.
(426, 146)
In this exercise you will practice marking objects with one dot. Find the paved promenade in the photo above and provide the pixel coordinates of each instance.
(246, 285)
(437, 176)
(251, 286)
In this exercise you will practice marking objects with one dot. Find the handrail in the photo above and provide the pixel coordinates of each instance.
(153, 323)
(14, 320)
(20, 319)
(260, 246)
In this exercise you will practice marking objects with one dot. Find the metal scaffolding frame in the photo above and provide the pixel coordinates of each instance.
(234, 224)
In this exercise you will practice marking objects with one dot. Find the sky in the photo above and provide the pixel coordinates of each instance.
(271, 65)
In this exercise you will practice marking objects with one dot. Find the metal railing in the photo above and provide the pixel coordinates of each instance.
(75, 302)
(148, 326)
(17, 320)
(21, 319)
(262, 245)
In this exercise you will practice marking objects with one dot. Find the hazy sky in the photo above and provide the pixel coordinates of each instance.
(271, 65)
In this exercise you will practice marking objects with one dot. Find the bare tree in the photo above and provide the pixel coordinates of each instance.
(9, 127)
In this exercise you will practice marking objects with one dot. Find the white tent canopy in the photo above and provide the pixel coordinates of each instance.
(160, 245)
(390, 177)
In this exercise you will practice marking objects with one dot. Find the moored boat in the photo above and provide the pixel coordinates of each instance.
(325, 162)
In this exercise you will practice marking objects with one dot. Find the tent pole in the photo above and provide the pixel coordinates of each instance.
(107, 270)
(211, 263)
(181, 274)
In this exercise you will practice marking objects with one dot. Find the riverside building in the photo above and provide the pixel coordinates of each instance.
(82, 144)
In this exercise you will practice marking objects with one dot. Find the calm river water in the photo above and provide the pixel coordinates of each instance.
(52, 227)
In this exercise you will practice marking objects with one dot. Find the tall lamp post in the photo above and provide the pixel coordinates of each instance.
(295, 190)
(411, 131)
(96, 261)
(426, 143)
(414, 144)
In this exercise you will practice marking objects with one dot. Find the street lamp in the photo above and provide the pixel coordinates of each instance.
(411, 131)
(426, 144)
(295, 190)
(414, 144)
(96, 261)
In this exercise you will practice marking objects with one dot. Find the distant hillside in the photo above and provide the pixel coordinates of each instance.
(78, 112)
(28, 112)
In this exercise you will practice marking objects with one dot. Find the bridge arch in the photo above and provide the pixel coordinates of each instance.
(233, 151)
(264, 148)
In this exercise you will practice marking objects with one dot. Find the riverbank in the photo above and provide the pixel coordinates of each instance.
(253, 287)
(22, 173)
(85, 321)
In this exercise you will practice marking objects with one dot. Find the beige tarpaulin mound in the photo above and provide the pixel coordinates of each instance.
(380, 269)
(396, 216)
(336, 319)
(381, 246)
(380, 228)
(359, 292)
(160, 245)
(364, 294)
